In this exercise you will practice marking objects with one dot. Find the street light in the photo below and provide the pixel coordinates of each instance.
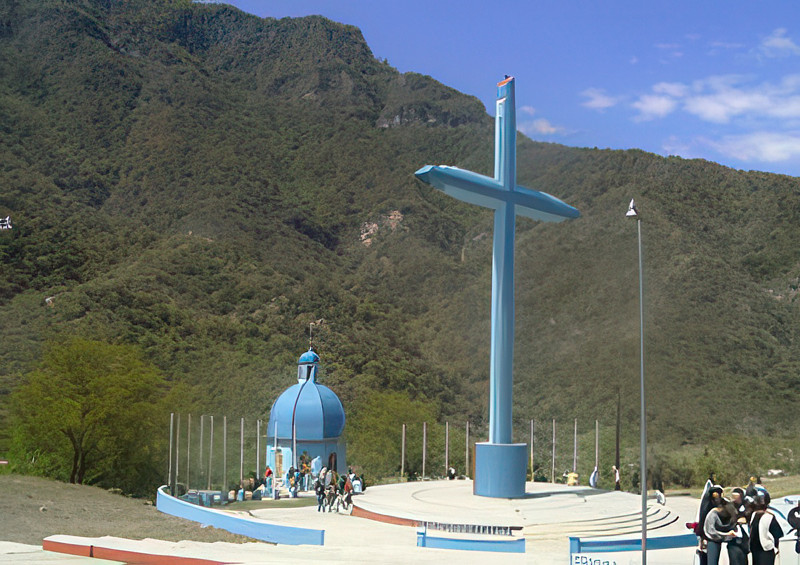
(633, 212)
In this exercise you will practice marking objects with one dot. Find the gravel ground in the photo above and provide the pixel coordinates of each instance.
(33, 508)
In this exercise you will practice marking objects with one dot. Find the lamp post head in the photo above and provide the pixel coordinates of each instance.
(633, 212)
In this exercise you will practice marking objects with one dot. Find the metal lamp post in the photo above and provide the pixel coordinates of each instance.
(633, 212)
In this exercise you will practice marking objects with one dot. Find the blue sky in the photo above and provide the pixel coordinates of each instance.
(699, 79)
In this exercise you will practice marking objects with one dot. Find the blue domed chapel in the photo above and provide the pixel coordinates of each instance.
(315, 414)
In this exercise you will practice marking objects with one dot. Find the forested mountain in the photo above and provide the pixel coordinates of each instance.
(203, 184)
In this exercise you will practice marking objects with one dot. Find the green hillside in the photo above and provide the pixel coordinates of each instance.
(202, 184)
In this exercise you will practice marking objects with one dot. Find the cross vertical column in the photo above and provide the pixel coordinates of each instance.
(500, 466)
(502, 340)
(502, 345)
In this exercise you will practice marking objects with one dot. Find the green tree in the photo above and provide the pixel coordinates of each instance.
(374, 431)
(89, 414)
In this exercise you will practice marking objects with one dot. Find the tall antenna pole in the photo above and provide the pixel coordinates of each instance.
(619, 425)
(177, 450)
(532, 428)
(403, 453)
(258, 449)
(424, 446)
(171, 434)
(633, 212)
(643, 440)
(225, 454)
(467, 472)
(575, 449)
(210, 451)
(554, 450)
(188, 447)
(597, 444)
(446, 447)
(200, 451)
(241, 454)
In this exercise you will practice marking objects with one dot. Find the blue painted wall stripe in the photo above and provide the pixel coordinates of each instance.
(577, 545)
(503, 546)
(250, 527)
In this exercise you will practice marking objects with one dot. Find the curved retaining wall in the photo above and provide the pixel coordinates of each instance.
(250, 527)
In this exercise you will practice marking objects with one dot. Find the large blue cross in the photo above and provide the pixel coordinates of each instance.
(497, 463)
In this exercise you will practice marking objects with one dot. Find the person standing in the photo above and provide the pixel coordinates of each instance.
(616, 477)
(765, 532)
(718, 525)
(319, 490)
(739, 545)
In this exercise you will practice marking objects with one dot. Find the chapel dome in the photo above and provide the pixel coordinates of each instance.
(319, 414)
(309, 356)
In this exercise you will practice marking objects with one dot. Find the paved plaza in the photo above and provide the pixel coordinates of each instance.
(546, 517)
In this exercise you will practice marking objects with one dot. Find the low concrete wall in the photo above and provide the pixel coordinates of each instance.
(250, 527)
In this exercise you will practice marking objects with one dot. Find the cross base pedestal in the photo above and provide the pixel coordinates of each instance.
(500, 470)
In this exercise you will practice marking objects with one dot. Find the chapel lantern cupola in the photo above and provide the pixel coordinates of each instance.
(307, 366)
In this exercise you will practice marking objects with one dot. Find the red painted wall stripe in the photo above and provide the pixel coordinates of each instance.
(396, 520)
(129, 557)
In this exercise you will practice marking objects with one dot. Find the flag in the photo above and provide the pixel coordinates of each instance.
(593, 478)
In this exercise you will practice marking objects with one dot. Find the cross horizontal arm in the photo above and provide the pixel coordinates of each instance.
(489, 193)
(464, 185)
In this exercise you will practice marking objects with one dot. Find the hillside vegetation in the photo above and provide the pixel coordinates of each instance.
(201, 184)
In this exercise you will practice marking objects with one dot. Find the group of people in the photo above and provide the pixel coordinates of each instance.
(331, 488)
(297, 479)
(327, 485)
(743, 521)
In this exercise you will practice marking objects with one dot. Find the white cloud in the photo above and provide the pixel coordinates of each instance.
(726, 45)
(721, 106)
(675, 89)
(721, 98)
(530, 110)
(675, 146)
(597, 99)
(717, 99)
(653, 106)
(767, 146)
(539, 127)
(778, 45)
(633, 60)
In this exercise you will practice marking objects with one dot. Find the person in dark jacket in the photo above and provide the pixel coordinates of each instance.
(739, 545)
(319, 490)
(765, 532)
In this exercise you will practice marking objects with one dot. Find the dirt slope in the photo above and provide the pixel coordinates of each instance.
(33, 508)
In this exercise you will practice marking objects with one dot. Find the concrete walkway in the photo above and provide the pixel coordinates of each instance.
(547, 516)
